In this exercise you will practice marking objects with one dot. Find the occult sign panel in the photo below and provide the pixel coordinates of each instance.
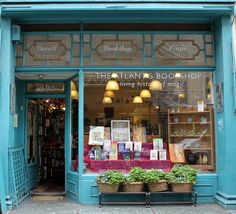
(178, 49)
(117, 49)
(47, 50)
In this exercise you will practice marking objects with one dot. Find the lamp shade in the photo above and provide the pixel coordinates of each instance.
(137, 99)
(109, 94)
(112, 85)
(155, 85)
(72, 85)
(114, 75)
(146, 76)
(145, 93)
(74, 94)
(181, 95)
(107, 100)
(177, 75)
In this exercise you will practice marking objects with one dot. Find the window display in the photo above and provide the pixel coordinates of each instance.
(145, 118)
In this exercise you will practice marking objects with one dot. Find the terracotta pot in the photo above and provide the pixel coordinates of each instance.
(181, 187)
(158, 186)
(105, 187)
(133, 187)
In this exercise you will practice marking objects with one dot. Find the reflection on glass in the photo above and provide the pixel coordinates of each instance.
(160, 92)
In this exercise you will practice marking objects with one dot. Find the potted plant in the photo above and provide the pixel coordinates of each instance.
(134, 182)
(109, 181)
(181, 178)
(156, 180)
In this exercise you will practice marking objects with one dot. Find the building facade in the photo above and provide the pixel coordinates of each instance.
(57, 61)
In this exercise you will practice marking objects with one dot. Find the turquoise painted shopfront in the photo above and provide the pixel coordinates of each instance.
(56, 61)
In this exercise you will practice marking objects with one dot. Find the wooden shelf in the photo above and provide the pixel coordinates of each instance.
(189, 136)
(190, 123)
(182, 126)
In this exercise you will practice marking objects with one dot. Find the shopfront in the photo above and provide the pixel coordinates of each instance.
(93, 96)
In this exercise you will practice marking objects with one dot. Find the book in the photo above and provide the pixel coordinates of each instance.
(113, 152)
(162, 154)
(107, 145)
(137, 155)
(139, 134)
(126, 154)
(96, 135)
(138, 146)
(121, 146)
(107, 133)
(176, 153)
(129, 145)
(157, 143)
(153, 154)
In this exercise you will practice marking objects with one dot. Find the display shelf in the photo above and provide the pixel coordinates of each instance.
(191, 138)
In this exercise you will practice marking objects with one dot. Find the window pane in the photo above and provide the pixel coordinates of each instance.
(126, 121)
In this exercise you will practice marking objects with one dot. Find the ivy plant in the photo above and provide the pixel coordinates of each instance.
(111, 177)
(136, 174)
(182, 174)
(154, 176)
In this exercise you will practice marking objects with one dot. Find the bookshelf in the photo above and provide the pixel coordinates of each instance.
(191, 138)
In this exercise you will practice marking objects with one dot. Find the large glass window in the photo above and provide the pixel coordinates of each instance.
(148, 119)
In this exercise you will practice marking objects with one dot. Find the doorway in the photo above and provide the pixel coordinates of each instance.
(46, 140)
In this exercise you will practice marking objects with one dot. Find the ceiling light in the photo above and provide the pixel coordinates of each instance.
(112, 85)
(181, 95)
(137, 99)
(72, 85)
(74, 94)
(177, 75)
(146, 76)
(114, 75)
(145, 93)
(155, 85)
(109, 94)
(107, 100)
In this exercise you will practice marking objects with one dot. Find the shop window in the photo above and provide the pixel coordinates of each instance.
(149, 120)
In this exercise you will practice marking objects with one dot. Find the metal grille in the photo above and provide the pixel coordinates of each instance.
(19, 175)
(119, 27)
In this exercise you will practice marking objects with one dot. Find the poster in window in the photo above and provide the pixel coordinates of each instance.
(120, 131)
(219, 97)
(139, 134)
(176, 153)
(96, 135)
(157, 143)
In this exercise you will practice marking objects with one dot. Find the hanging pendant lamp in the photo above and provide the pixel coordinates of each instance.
(107, 100)
(112, 85)
(109, 94)
(145, 93)
(137, 99)
(74, 94)
(155, 85)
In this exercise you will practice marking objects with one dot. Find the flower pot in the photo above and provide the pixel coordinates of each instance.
(133, 187)
(181, 187)
(158, 186)
(105, 187)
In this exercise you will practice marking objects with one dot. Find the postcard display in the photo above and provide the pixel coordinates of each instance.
(116, 147)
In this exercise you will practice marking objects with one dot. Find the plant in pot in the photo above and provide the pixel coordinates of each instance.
(156, 180)
(181, 178)
(134, 182)
(109, 181)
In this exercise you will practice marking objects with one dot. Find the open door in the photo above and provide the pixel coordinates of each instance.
(72, 134)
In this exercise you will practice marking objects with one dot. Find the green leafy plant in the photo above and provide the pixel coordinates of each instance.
(136, 174)
(154, 176)
(112, 177)
(182, 174)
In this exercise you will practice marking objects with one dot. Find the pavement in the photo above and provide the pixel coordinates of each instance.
(68, 207)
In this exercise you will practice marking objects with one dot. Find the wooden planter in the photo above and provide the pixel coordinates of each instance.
(158, 187)
(105, 187)
(133, 187)
(181, 187)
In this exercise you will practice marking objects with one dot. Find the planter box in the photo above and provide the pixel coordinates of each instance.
(181, 187)
(133, 187)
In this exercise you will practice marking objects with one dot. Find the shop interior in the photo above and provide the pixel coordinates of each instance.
(46, 129)
(148, 118)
